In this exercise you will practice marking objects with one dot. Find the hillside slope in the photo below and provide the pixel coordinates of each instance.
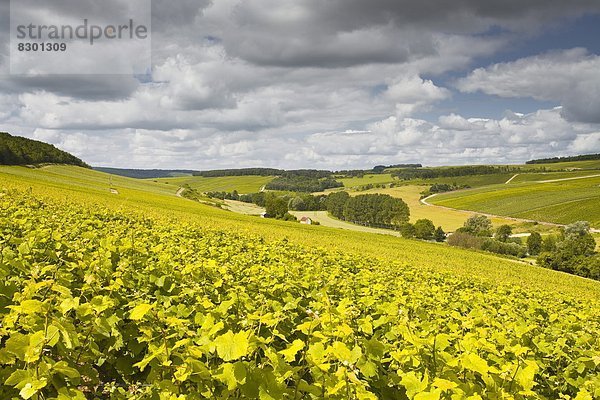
(154, 296)
(561, 201)
(148, 198)
(16, 150)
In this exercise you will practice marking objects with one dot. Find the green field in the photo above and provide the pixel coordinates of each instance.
(560, 202)
(374, 179)
(546, 176)
(472, 181)
(243, 184)
(145, 295)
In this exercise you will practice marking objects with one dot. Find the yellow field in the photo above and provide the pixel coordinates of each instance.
(448, 219)
(148, 198)
(121, 289)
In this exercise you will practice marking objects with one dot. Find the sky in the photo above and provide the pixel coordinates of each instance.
(335, 84)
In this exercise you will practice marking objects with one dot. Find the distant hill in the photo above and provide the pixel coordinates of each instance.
(240, 172)
(16, 150)
(585, 157)
(146, 173)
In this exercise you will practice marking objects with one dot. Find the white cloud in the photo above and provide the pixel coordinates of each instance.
(569, 77)
(411, 93)
(585, 144)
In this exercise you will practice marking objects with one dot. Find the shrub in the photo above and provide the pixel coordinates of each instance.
(478, 225)
(503, 233)
(466, 240)
(534, 243)
(407, 230)
(439, 234)
(424, 229)
(498, 247)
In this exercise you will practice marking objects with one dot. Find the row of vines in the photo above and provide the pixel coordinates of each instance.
(97, 304)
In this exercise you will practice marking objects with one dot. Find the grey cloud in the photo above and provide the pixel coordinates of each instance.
(85, 87)
(456, 16)
(169, 15)
(298, 83)
(312, 32)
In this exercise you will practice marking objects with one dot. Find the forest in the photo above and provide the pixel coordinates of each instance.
(16, 150)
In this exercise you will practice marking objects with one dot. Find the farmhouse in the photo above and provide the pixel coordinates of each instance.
(306, 220)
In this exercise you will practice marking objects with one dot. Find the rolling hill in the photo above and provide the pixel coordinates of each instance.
(112, 283)
(563, 199)
(16, 150)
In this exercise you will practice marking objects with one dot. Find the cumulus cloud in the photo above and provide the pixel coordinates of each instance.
(411, 93)
(570, 77)
(307, 83)
(513, 138)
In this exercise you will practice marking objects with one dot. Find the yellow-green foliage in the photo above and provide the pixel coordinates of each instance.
(108, 304)
(147, 295)
(144, 198)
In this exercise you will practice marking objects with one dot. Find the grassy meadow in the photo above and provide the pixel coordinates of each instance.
(243, 184)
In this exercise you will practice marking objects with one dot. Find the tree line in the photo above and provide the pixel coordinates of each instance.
(145, 173)
(239, 172)
(379, 210)
(572, 250)
(302, 183)
(553, 160)
(428, 173)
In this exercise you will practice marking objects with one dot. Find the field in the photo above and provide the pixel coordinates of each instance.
(547, 176)
(243, 184)
(243, 208)
(572, 165)
(560, 202)
(448, 219)
(142, 294)
(85, 180)
(374, 179)
(473, 181)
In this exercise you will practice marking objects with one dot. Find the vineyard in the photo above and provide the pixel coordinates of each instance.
(561, 202)
(101, 303)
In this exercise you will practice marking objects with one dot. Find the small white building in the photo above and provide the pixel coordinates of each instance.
(306, 221)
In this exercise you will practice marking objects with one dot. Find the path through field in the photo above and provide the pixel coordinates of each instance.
(510, 180)
(569, 179)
